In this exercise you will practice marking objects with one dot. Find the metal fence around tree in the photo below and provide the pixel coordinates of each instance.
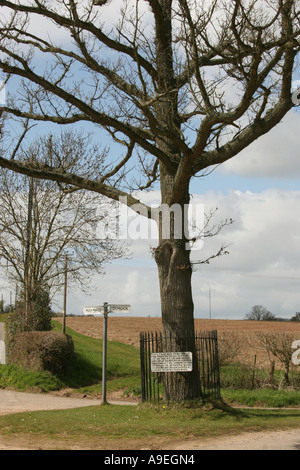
(154, 384)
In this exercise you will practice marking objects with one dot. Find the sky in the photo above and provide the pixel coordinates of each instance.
(259, 189)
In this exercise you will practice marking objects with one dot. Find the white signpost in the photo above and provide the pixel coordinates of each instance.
(93, 310)
(104, 310)
(119, 308)
(111, 308)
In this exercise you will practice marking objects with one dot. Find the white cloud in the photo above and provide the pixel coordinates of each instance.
(262, 268)
(123, 284)
(274, 155)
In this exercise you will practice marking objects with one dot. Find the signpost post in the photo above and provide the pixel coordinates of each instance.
(104, 310)
(104, 351)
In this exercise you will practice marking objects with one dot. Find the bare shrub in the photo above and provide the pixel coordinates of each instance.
(230, 345)
(277, 346)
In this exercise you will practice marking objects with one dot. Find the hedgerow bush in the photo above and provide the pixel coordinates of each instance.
(33, 316)
(42, 350)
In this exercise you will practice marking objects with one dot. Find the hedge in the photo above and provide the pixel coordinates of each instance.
(42, 350)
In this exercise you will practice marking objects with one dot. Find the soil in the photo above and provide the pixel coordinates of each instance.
(127, 330)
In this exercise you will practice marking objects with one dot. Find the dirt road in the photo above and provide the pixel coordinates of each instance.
(276, 440)
(12, 401)
(16, 402)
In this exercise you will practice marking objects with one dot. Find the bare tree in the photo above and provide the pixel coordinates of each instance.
(260, 313)
(178, 86)
(41, 224)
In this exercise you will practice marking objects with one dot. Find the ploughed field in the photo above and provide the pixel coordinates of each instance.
(127, 330)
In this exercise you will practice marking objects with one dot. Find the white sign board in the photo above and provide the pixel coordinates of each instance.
(111, 308)
(93, 310)
(172, 362)
(118, 308)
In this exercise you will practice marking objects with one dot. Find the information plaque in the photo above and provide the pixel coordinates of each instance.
(172, 362)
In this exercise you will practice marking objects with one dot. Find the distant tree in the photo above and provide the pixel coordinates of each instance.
(296, 317)
(260, 313)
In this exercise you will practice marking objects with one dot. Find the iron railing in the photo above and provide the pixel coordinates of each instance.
(205, 349)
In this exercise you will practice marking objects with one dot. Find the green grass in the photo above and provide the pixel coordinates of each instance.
(263, 397)
(133, 427)
(240, 376)
(123, 364)
(12, 376)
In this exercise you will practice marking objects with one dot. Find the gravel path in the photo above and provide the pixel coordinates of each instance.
(17, 402)
(276, 440)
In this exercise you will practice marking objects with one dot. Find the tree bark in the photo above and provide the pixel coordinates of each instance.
(177, 309)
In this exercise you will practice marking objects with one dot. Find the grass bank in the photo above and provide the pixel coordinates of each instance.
(85, 377)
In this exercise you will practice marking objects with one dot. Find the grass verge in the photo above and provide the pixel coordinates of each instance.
(137, 427)
(263, 397)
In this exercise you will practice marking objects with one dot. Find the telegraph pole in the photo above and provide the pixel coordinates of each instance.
(27, 261)
(209, 300)
(65, 296)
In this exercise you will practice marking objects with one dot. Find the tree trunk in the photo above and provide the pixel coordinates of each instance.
(177, 307)
(178, 316)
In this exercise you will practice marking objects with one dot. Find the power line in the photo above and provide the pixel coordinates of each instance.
(253, 268)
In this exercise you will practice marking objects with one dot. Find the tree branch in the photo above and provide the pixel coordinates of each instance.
(42, 171)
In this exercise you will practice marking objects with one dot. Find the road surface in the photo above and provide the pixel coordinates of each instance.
(276, 440)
